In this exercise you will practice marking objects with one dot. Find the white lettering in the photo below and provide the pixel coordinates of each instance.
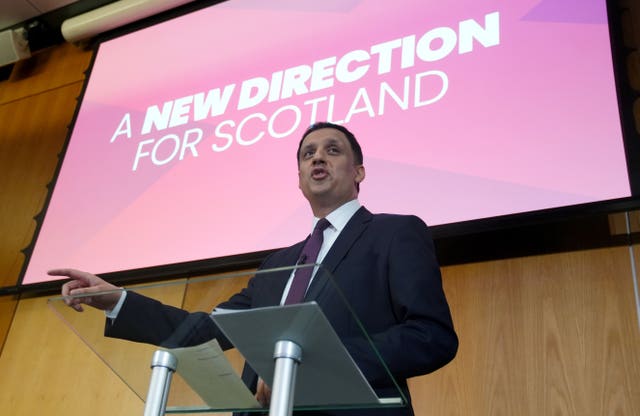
(123, 128)
(366, 108)
(322, 74)
(395, 54)
(294, 125)
(487, 36)
(385, 50)
(295, 80)
(447, 38)
(186, 144)
(222, 135)
(276, 86)
(408, 58)
(156, 118)
(213, 104)
(403, 102)
(189, 141)
(252, 92)
(140, 153)
(259, 136)
(180, 112)
(176, 146)
(314, 108)
(342, 69)
(418, 102)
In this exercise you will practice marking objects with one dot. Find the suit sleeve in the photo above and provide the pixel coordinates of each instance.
(147, 320)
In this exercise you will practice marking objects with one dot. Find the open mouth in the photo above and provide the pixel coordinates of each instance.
(319, 174)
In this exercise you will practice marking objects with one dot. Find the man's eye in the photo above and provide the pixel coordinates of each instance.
(307, 154)
(333, 150)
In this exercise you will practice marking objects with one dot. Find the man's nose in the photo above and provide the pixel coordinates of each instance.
(318, 157)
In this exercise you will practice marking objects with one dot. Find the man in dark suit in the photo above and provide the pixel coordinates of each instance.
(384, 264)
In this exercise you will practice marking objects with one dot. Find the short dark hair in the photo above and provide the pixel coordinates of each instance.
(355, 146)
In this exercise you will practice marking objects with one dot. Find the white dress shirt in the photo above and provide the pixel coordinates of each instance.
(338, 219)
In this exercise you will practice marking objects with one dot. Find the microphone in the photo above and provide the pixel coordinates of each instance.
(302, 259)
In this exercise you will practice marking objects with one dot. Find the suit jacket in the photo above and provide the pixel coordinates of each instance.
(384, 265)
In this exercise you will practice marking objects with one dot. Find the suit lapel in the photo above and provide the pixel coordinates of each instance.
(347, 238)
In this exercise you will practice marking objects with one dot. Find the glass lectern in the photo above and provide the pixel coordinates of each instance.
(308, 353)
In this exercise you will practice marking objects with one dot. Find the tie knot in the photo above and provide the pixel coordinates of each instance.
(322, 225)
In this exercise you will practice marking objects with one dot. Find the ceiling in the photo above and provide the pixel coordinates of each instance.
(42, 18)
(13, 13)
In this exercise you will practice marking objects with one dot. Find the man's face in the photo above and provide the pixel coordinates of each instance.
(327, 172)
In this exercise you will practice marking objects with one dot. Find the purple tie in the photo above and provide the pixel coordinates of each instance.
(302, 276)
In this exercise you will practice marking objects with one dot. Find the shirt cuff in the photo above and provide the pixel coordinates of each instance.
(113, 313)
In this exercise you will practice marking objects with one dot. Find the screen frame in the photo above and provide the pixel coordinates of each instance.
(448, 235)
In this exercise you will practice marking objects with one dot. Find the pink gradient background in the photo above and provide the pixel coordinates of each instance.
(526, 125)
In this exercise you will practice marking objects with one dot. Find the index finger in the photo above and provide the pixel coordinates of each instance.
(72, 273)
(60, 272)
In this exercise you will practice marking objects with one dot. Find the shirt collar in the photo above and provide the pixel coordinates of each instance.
(340, 216)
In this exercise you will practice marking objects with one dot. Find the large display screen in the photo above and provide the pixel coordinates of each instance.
(184, 144)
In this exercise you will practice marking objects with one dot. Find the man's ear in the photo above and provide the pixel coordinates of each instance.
(360, 173)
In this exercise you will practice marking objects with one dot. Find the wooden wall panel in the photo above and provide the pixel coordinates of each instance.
(544, 335)
(33, 132)
(46, 369)
(8, 305)
(36, 106)
(46, 70)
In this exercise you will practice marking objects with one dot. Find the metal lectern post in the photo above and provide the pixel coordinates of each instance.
(163, 365)
(287, 356)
